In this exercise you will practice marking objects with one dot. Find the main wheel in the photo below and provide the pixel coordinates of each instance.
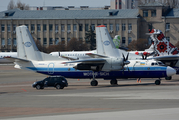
(113, 82)
(168, 78)
(58, 86)
(157, 82)
(38, 87)
(94, 83)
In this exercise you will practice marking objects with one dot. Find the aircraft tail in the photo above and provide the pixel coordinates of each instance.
(26, 47)
(162, 46)
(104, 43)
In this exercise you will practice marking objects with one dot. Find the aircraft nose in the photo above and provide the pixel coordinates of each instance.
(170, 71)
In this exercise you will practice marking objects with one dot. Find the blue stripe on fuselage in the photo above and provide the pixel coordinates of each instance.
(134, 72)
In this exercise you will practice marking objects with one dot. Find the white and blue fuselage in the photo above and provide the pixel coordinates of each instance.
(136, 69)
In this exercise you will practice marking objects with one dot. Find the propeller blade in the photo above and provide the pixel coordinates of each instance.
(127, 56)
(123, 57)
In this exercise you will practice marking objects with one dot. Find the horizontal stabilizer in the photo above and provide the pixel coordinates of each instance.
(14, 59)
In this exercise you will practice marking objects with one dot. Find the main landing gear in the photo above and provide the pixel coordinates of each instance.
(94, 82)
(113, 82)
(157, 82)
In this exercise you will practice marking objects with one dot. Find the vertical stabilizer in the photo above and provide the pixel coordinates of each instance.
(104, 42)
(26, 47)
(162, 46)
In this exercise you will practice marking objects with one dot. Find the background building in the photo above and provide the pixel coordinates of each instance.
(53, 26)
(124, 4)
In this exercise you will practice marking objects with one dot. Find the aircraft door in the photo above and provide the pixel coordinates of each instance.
(50, 68)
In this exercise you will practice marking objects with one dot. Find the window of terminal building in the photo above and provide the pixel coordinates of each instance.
(68, 39)
(168, 38)
(167, 26)
(8, 27)
(117, 27)
(56, 41)
(105, 25)
(62, 39)
(56, 27)
(123, 40)
(2, 27)
(50, 27)
(86, 27)
(32, 27)
(9, 41)
(130, 26)
(123, 26)
(111, 27)
(74, 27)
(39, 40)
(14, 42)
(62, 27)
(27, 25)
(38, 27)
(45, 41)
(129, 40)
(50, 41)
(93, 27)
(2, 41)
(44, 27)
(153, 13)
(68, 27)
(98, 24)
(14, 27)
(145, 13)
(80, 27)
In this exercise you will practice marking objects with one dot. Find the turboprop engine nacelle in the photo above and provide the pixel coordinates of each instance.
(112, 64)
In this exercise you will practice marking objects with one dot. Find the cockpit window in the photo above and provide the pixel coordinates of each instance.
(160, 63)
(152, 63)
(156, 63)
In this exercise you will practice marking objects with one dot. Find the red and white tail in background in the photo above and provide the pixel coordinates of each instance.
(161, 45)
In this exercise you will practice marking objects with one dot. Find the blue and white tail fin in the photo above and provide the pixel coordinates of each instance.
(104, 43)
(26, 47)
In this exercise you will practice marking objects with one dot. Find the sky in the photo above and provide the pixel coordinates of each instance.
(65, 3)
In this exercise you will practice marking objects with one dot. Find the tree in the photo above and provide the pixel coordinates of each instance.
(11, 5)
(19, 5)
(76, 45)
(90, 36)
(140, 45)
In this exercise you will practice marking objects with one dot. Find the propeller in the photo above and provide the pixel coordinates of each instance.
(125, 60)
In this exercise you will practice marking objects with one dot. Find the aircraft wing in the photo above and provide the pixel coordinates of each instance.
(167, 57)
(69, 58)
(14, 59)
(92, 60)
(93, 55)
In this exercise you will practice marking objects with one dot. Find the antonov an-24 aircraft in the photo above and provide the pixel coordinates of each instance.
(109, 63)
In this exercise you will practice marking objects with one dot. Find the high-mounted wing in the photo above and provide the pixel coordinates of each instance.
(92, 60)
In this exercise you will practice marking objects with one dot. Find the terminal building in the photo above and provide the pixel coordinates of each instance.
(53, 26)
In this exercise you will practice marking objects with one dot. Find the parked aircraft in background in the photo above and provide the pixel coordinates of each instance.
(163, 50)
(107, 64)
(7, 54)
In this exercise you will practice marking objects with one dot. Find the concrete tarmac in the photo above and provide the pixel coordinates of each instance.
(80, 101)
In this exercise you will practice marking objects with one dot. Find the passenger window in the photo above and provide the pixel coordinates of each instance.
(152, 64)
(156, 63)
